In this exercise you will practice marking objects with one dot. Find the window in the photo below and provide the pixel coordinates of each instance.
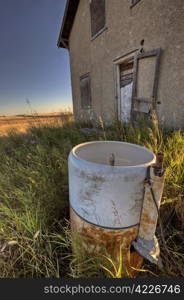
(134, 2)
(85, 89)
(97, 17)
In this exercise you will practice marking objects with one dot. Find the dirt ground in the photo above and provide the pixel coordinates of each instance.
(23, 122)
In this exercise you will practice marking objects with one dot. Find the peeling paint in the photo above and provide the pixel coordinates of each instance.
(146, 243)
(149, 214)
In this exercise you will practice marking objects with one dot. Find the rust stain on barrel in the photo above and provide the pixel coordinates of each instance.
(95, 239)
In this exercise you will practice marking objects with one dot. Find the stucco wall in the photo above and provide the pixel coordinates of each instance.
(160, 23)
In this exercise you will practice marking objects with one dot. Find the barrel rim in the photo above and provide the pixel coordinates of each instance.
(73, 152)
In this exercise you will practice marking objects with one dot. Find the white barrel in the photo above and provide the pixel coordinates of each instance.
(105, 193)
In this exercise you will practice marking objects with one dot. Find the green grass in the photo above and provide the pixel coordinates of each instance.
(35, 238)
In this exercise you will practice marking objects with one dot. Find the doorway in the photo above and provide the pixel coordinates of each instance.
(126, 86)
(137, 77)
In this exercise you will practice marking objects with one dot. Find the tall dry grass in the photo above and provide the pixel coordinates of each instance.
(35, 238)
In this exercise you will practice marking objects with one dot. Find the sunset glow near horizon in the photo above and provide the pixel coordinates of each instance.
(34, 73)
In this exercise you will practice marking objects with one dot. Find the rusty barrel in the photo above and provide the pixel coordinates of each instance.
(106, 191)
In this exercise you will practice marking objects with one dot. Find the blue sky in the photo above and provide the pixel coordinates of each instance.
(31, 65)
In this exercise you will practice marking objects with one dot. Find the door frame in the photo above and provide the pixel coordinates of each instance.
(117, 62)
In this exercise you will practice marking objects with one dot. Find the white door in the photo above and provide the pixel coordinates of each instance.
(126, 102)
(126, 84)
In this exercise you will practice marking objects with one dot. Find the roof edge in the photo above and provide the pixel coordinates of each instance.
(67, 23)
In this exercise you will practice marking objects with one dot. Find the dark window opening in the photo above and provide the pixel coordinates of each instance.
(97, 16)
(85, 89)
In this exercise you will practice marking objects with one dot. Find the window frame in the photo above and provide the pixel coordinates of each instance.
(86, 75)
(116, 65)
(93, 37)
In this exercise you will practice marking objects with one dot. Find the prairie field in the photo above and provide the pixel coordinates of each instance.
(21, 123)
(35, 236)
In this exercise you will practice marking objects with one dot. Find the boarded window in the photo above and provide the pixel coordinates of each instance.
(85, 89)
(97, 16)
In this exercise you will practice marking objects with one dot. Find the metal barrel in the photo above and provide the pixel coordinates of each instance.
(106, 191)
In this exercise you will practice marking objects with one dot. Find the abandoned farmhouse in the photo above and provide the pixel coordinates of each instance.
(126, 58)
